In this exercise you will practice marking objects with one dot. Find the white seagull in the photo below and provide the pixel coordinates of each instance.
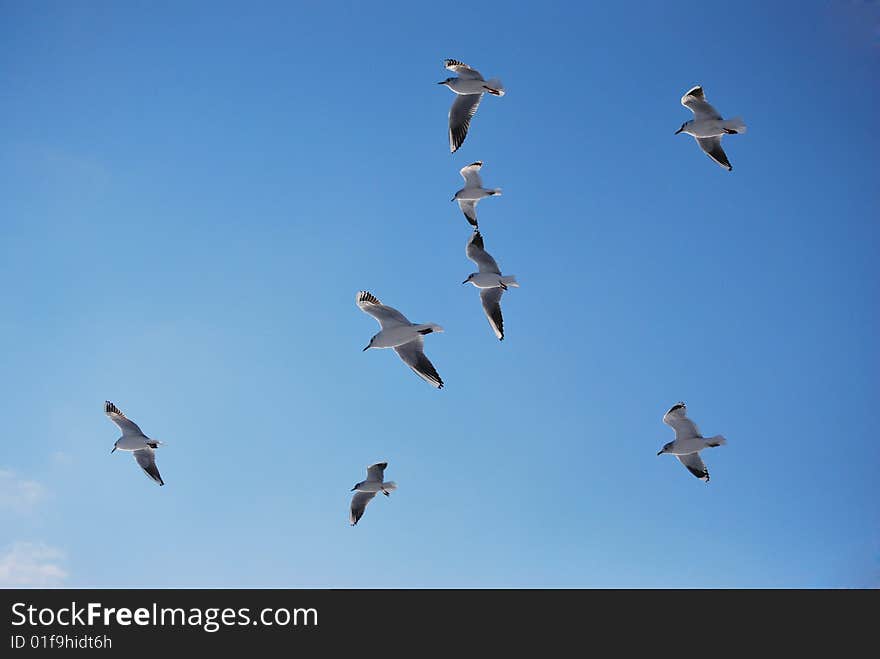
(365, 491)
(472, 191)
(489, 280)
(469, 88)
(405, 337)
(707, 126)
(688, 441)
(135, 441)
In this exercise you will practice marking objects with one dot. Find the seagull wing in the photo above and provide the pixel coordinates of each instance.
(376, 472)
(413, 355)
(463, 109)
(469, 208)
(462, 69)
(491, 299)
(695, 101)
(677, 419)
(712, 147)
(694, 464)
(146, 458)
(387, 316)
(471, 175)
(128, 427)
(476, 252)
(359, 504)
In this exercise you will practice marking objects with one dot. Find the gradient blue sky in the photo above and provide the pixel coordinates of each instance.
(192, 193)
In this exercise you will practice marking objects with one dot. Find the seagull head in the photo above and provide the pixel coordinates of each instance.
(683, 126)
(665, 448)
(470, 276)
(446, 82)
(370, 344)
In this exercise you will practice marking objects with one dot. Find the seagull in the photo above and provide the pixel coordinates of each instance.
(469, 87)
(688, 441)
(135, 441)
(708, 127)
(472, 191)
(489, 280)
(405, 337)
(366, 490)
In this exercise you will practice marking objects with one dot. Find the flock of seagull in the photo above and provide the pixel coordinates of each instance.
(407, 338)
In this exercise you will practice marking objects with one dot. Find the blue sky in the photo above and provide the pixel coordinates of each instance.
(190, 198)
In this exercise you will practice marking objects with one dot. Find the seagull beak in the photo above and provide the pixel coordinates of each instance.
(453, 199)
(365, 349)
(465, 281)
(442, 82)
(679, 130)
(111, 450)
(660, 452)
(353, 489)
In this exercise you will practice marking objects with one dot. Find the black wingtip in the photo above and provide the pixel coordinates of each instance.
(366, 296)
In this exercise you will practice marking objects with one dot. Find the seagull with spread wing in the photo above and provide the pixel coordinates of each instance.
(688, 441)
(405, 337)
(135, 441)
(469, 88)
(365, 491)
(489, 280)
(707, 126)
(472, 191)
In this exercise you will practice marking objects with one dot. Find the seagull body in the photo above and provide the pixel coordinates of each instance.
(469, 88)
(405, 337)
(366, 490)
(472, 191)
(489, 280)
(135, 441)
(688, 441)
(707, 127)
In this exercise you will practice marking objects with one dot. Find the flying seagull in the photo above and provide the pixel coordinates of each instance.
(405, 337)
(489, 280)
(472, 191)
(365, 491)
(688, 441)
(707, 126)
(469, 88)
(135, 441)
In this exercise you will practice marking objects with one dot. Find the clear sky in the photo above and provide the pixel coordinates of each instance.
(191, 194)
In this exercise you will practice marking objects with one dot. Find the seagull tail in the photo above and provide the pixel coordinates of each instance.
(495, 87)
(390, 486)
(428, 328)
(717, 440)
(737, 125)
(510, 280)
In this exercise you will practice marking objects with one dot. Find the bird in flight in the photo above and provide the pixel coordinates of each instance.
(688, 441)
(469, 88)
(489, 280)
(707, 126)
(472, 191)
(135, 441)
(366, 490)
(407, 339)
